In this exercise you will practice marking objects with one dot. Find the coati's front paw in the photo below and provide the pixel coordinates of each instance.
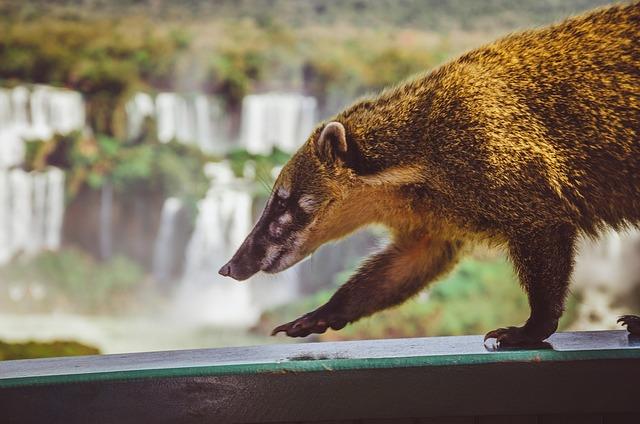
(632, 322)
(316, 322)
(518, 337)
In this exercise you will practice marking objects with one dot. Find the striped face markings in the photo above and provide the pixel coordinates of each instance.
(308, 203)
(286, 217)
(283, 193)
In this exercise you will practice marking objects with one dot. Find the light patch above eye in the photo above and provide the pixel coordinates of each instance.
(283, 193)
(308, 203)
(285, 218)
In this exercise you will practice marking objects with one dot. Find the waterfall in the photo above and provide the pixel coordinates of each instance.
(138, 108)
(32, 203)
(188, 119)
(55, 208)
(40, 112)
(105, 236)
(268, 120)
(225, 217)
(164, 253)
(31, 208)
(276, 120)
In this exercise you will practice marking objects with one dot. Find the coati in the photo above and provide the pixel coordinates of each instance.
(527, 143)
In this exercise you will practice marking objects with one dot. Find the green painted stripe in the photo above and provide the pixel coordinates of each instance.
(326, 365)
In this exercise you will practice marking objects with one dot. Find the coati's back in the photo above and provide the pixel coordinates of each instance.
(536, 128)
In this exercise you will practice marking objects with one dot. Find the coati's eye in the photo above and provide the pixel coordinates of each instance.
(280, 205)
(280, 199)
(275, 230)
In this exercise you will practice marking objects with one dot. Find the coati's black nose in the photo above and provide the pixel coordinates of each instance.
(225, 270)
(239, 270)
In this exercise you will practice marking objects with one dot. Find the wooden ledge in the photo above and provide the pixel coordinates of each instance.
(583, 372)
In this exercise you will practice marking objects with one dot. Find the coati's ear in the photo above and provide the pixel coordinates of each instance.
(331, 145)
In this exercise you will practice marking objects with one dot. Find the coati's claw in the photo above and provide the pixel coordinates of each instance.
(311, 323)
(515, 337)
(632, 322)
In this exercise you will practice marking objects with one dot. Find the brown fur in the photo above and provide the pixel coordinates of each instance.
(526, 142)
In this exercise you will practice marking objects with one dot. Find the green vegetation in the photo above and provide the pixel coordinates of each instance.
(103, 60)
(170, 169)
(31, 350)
(261, 165)
(74, 282)
(108, 58)
(435, 15)
(478, 296)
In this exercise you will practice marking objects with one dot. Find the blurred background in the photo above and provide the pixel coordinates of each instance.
(138, 143)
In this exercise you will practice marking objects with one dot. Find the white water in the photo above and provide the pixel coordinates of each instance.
(188, 119)
(31, 209)
(224, 220)
(32, 203)
(163, 252)
(36, 113)
(276, 120)
(225, 215)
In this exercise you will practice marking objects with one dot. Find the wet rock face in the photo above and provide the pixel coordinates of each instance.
(131, 225)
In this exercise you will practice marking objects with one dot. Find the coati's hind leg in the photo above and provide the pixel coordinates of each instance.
(385, 279)
(632, 322)
(544, 261)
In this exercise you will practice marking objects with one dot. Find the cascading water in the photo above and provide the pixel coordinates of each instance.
(38, 113)
(163, 251)
(32, 203)
(280, 120)
(189, 119)
(224, 218)
(225, 214)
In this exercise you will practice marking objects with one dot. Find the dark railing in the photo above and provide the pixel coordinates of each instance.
(585, 377)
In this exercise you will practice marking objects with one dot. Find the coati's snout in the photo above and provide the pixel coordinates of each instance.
(296, 216)
(276, 241)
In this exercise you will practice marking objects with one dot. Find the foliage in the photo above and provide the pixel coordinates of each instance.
(107, 49)
(172, 169)
(98, 57)
(31, 349)
(254, 56)
(436, 15)
(233, 71)
(478, 296)
(262, 167)
(75, 281)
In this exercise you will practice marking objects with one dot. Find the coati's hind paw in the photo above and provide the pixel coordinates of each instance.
(632, 322)
(516, 337)
(316, 322)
